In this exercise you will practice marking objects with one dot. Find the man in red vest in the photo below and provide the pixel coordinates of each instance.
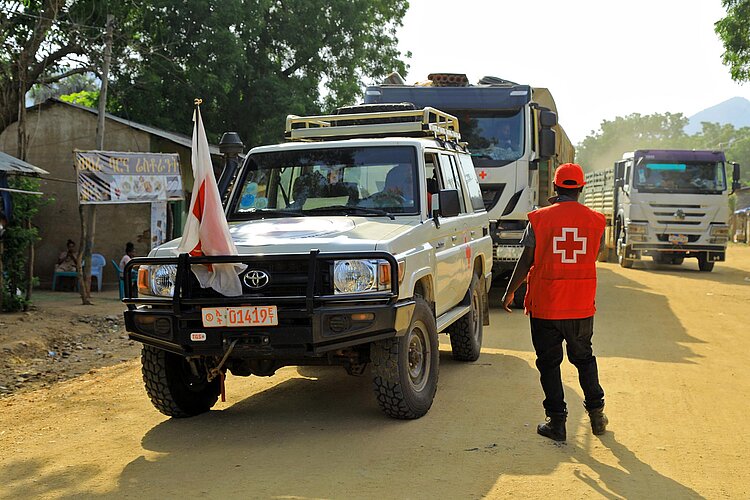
(561, 244)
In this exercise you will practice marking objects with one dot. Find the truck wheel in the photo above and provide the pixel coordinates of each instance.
(519, 296)
(173, 388)
(704, 265)
(405, 369)
(677, 261)
(626, 263)
(466, 333)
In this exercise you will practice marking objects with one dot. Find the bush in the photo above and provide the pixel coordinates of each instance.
(17, 239)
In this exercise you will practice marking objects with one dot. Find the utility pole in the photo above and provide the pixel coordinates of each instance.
(88, 211)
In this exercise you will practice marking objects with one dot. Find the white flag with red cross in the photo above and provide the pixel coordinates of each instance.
(206, 229)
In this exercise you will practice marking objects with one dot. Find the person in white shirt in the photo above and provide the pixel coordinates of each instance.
(129, 254)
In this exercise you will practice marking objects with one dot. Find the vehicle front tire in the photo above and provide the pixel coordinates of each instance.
(704, 265)
(173, 388)
(466, 333)
(622, 251)
(405, 369)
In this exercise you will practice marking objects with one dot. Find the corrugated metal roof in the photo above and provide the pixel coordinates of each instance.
(11, 164)
(181, 139)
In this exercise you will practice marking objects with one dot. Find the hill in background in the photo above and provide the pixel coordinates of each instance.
(735, 111)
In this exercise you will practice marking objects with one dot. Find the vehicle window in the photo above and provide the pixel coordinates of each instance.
(496, 135)
(676, 177)
(450, 178)
(472, 183)
(298, 181)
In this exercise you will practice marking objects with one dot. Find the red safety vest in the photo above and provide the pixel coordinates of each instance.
(562, 280)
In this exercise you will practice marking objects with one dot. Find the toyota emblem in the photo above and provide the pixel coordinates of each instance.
(256, 279)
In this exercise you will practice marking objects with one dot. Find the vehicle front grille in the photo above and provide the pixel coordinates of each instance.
(678, 214)
(286, 278)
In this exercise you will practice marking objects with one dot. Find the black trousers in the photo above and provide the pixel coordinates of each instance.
(547, 336)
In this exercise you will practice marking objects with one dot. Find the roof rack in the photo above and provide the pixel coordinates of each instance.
(427, 122)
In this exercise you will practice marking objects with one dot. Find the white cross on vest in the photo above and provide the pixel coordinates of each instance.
(567, 245)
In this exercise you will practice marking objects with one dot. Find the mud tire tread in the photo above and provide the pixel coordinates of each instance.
(390, 391)
(155, 368)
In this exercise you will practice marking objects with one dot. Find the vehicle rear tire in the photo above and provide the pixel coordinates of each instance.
(704, 265)
(173, 388)
(466, 333)
(405, 369)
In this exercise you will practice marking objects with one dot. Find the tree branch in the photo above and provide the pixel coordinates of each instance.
(61, 76)
(38, 68)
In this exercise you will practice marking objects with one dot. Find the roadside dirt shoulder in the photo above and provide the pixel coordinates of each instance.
(60, 339)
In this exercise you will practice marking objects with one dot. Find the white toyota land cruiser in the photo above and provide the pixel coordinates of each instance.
(364, 237)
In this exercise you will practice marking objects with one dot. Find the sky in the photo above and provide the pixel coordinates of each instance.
(599, 58)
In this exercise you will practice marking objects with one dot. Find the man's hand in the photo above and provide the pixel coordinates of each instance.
(507, 299)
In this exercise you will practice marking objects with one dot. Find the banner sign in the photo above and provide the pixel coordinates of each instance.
(115, 177)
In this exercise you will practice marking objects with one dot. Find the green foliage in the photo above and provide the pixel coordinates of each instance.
(87, 98)
(19, 235)
(74, 84)
(252, 61)
(734, 31)
(635, 131)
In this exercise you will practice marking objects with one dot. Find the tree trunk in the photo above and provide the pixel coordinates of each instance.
(29, 269)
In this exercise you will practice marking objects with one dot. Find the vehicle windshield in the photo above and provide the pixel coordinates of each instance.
(373, 181)
(693, 177)
(493, 136)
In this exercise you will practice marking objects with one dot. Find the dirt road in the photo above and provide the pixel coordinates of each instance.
(672, 345)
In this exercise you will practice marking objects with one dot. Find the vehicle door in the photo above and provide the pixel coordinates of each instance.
(476, 214)
(451, 242)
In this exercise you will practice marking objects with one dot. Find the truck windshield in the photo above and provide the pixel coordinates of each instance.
(376, 181)
(694, 177)
(493, 135)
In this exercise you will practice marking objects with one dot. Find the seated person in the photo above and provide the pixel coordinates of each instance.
(336, 187)
(129, 254)
(398, 189)
(307, 185)
(66, 261)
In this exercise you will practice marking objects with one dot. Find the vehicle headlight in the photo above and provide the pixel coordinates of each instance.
(637, 228)
(157, 280)
(357, 276)
(720, 230)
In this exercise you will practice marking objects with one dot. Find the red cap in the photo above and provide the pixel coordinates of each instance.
(569, 175)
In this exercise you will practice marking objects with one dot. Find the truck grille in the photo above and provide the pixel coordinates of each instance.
(286, 278)
(678, 214)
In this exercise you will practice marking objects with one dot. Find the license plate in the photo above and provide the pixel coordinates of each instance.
(678, 239)
(239, 316)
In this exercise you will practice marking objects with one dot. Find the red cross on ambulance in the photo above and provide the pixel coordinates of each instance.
(569, 245)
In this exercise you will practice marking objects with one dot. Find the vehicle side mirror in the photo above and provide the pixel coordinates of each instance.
(619, 175)
(448, 203)
(735, 177)
(547, 118)
(546, 143)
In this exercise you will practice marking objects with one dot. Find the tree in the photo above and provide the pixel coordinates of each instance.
(43, 42)
(253, 61)
(734, 31)
(635, 131)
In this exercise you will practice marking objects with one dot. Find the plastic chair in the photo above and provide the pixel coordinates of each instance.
(119, 276)
(97, 267)
(64, 274)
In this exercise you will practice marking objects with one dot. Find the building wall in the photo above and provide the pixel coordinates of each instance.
(55, 130)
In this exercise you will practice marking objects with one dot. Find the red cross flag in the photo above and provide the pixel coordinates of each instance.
(206, 229)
